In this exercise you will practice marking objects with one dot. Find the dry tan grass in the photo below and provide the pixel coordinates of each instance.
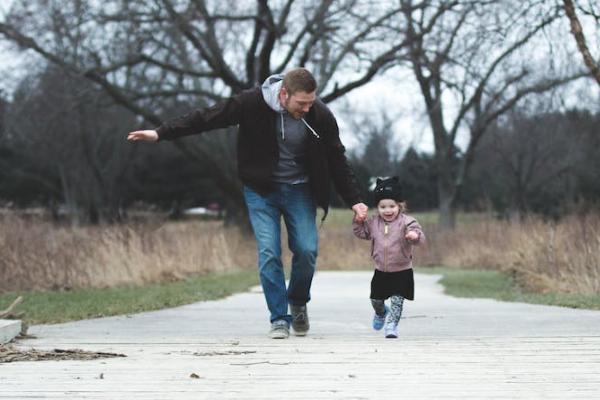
(561, 257)
(339, 249)
(38, 255)
(542, 256)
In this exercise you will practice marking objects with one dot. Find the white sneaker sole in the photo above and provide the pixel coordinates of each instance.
(278, 335)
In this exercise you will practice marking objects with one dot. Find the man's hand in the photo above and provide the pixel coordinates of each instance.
(412, 236)
(360, 212)
(148, 135)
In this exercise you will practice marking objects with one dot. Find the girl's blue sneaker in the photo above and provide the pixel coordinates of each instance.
(379, 320)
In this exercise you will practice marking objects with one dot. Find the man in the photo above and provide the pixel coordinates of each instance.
(289, 151)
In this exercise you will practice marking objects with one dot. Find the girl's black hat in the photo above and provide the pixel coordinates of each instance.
(388, 189)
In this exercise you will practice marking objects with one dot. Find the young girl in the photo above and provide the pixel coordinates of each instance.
(392, 234)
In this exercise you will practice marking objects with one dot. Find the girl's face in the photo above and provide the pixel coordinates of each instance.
(388, 209)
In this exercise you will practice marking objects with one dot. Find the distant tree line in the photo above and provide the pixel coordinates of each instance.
(100, 69)
(545, 163)
(61, 144)
(62, 147)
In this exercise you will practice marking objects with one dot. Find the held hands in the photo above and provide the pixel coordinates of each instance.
(147, 135)
(360, 212)
(412, 236)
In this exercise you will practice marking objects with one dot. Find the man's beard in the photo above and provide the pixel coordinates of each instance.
(294, 114)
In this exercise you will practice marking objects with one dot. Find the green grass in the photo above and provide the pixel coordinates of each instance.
(54, 307)
(500, 286)
(342, 217)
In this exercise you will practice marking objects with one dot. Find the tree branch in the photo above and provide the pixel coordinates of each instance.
(378, 65)
(212, 57)
(317, 33)
(264, 58)
(351, 42)
(477, 94)
(251, 53)
(308, 27)
(577, 32)
(176, 69)
(539, 87)
(174, 93)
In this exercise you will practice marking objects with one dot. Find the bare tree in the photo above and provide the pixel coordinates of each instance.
(477, 55)
(149, 54)
(375, 133)
(60, 127)
(3, 104)
(530, 155)
(579, 36)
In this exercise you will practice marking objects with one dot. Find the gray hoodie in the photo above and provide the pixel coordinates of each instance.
(291, 136)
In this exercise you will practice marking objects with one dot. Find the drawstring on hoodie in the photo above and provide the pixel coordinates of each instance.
(305, 123)
(310, 128)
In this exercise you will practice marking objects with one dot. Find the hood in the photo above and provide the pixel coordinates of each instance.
(270, 91)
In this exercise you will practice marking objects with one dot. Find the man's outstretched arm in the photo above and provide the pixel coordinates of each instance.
(146, 135)
(220, 115)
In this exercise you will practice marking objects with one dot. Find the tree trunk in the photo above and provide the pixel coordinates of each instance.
(446, 198)
(447, 213)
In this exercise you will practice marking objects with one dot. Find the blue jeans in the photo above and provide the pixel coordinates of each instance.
(298, 208)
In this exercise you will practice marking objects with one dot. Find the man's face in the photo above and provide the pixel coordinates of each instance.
(297, 104)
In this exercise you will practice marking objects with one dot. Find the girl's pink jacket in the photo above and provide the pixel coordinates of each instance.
(389, 249)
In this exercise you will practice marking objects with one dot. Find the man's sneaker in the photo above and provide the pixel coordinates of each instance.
(379, 320)
(299, 319)
(279, 329)
(391, 330)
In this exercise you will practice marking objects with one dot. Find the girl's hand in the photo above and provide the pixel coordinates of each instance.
(360, 212)
(412, 236)
(358, 218)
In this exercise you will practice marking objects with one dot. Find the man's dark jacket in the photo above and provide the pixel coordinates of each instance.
(257, 148)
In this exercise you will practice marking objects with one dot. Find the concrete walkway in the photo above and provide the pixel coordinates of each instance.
(449, 348)
(9, 329)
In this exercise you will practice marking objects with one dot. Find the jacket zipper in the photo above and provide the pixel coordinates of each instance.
(385, 233)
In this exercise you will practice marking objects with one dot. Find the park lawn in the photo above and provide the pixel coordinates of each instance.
(342, 217)
(500, 286)
(61, 306)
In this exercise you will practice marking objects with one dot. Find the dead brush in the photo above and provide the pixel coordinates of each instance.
(562, 256)
(339, 249)
(541, 256)
(40, 256)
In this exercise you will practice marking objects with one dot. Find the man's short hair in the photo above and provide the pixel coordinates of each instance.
(299, 80)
